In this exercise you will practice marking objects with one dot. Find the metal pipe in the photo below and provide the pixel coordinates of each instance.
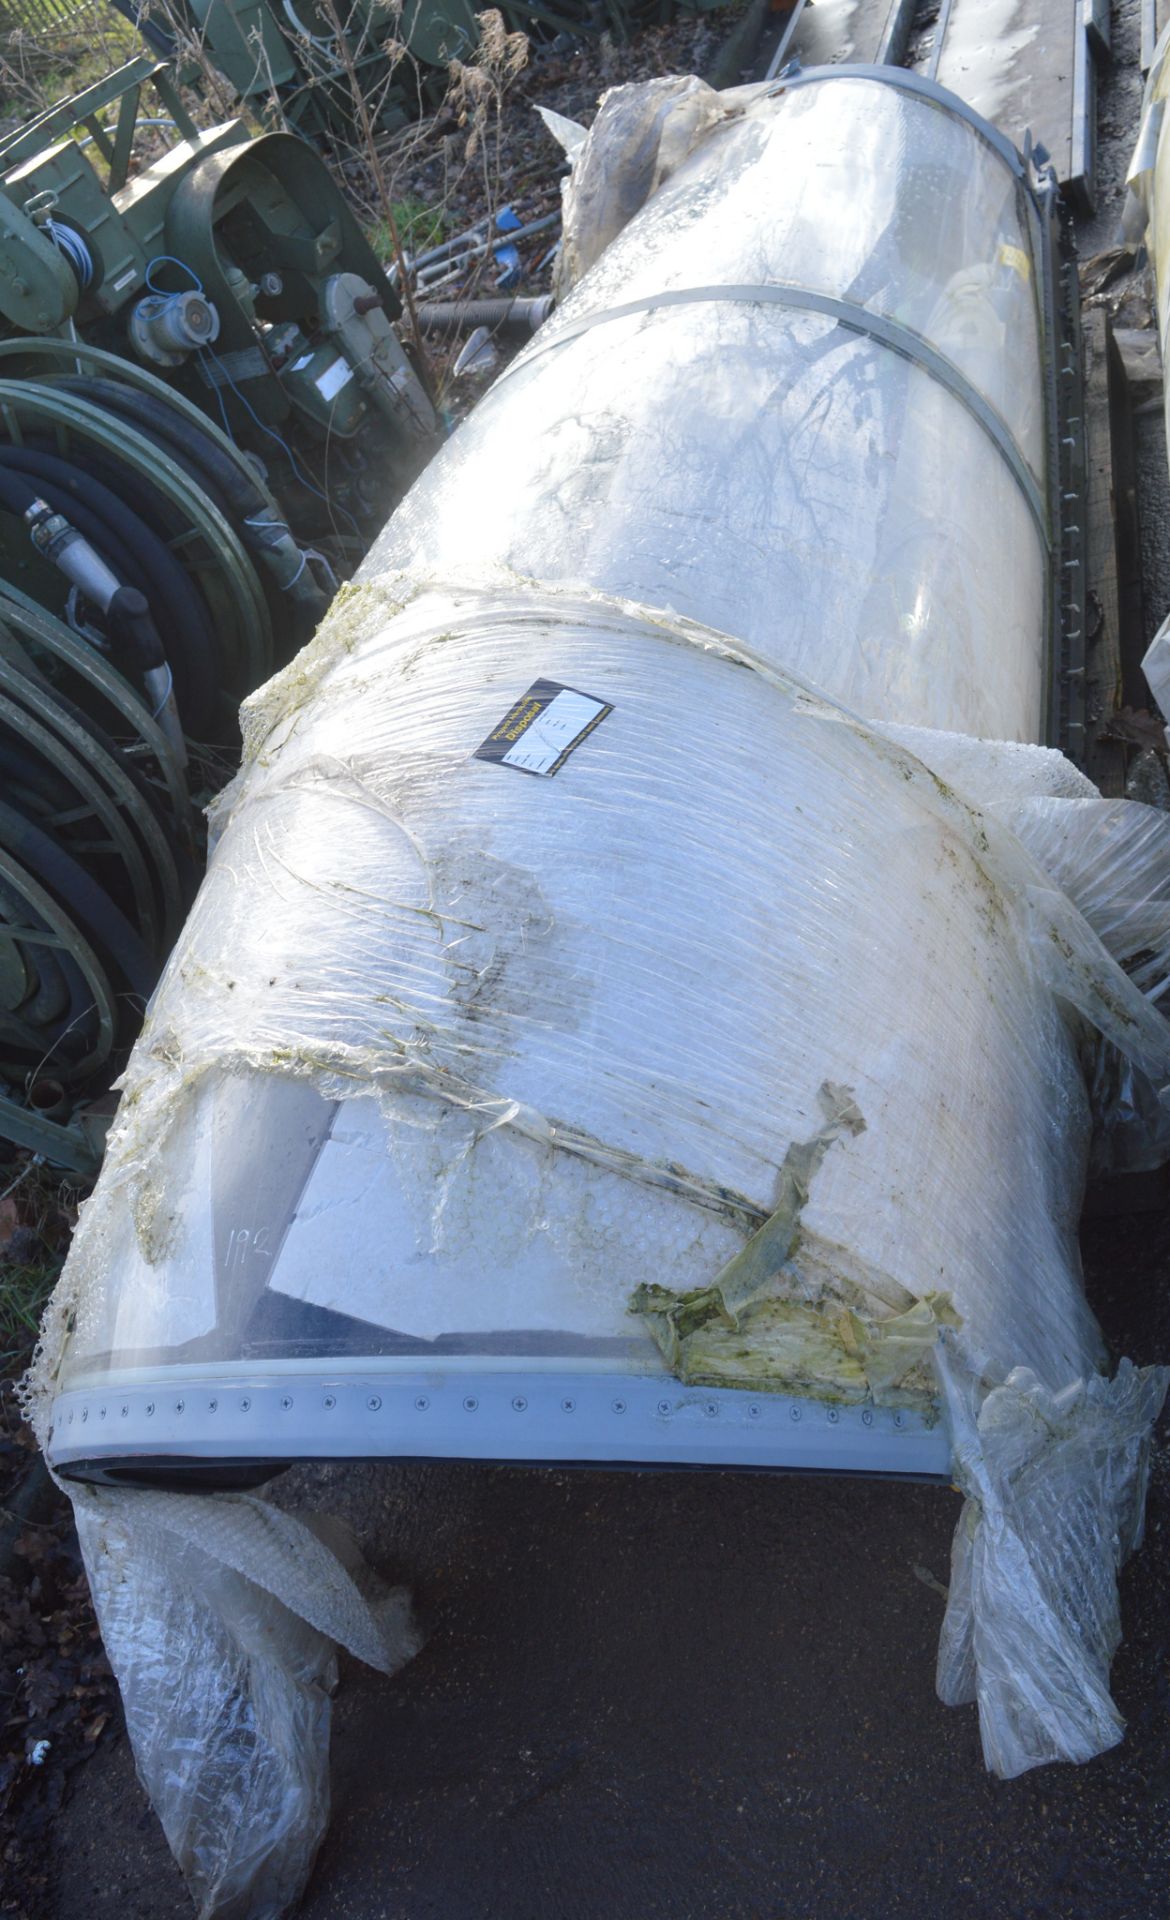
(60, 543)
(471, 246)
(514, 318)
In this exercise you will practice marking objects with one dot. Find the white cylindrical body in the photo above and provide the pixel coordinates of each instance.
(452, 1059)
(773, 472)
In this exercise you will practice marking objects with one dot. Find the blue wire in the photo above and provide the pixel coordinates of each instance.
(223, 413)
(282, 444)
(169, 260)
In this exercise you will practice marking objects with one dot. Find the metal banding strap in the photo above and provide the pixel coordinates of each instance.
(874, 326)
(906, 81)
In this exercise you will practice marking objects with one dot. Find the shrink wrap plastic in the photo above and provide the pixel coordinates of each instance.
(761, 1042)
(1055, 1486)
(387, 916)
(645, 134)
(221, 1617)
(762, 468)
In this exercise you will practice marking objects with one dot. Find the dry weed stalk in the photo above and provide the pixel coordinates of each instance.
(479, 87)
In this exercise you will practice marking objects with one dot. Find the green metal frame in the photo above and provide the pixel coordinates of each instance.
(69, 1147)
(32, 709)
(81, 110)
(69, 352)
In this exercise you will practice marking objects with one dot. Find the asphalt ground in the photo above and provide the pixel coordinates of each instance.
(684, 1695)
(708, 1695)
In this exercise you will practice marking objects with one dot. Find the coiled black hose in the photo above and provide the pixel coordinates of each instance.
(223, 478)
(182, 878)
(123, 489)
(92, 909)
(54, 1017)
(137, 555)
(227, 482)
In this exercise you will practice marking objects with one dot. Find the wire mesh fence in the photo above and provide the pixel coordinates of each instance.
(32, 16)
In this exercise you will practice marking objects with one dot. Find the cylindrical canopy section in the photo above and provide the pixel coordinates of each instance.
(771, 474)
(778, 469)
(453, 1061)
(577, 919)
(851, 187)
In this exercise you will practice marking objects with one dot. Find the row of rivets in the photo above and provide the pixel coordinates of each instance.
(471, 1404)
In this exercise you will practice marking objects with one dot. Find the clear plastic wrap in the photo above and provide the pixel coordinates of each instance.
(644, 983)
(873, 932)
(221, 1617)
(1056, 1489)
(903, 210)
(641, 136)
(773, 472)
(474, 1183)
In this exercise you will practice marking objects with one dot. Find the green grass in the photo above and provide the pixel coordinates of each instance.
(23, 1293)
(40, 68)
(419, 227)
(36, 1220)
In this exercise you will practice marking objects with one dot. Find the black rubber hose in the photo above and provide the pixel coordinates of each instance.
(61, 1003)
(139, 557)
(106, 741)
(226, 482)
(86, 903)
(122, 489)
(26, 766)
(65, 500)
(108, 521)
(129, 620)
(34, 788)
(119, 482)
(103, 469)
(229, 482)
(190, 614)
(185, 878)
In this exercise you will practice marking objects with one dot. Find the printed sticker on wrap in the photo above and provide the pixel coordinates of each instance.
(540, 732)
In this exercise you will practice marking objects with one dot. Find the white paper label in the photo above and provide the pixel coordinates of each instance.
(333, 379)
(567, 716)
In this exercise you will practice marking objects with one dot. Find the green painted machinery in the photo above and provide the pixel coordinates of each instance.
(301, 59)
(235, 268)
(205, 415)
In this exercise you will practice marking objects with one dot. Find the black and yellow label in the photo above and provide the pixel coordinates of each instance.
(539, 733)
